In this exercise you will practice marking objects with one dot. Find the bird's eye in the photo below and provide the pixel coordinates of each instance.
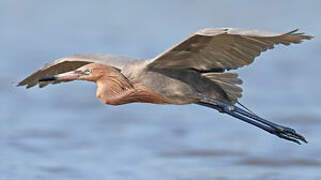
(88, 71)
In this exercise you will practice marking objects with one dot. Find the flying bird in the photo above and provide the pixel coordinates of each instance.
(194, 71)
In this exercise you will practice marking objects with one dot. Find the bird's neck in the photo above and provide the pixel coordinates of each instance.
(117, 90)
(111, 88)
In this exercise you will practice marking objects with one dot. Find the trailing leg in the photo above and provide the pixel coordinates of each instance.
(244, 115)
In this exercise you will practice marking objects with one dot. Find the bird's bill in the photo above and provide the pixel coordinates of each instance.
(68, 76)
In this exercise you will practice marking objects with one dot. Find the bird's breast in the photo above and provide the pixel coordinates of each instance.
(146, 95)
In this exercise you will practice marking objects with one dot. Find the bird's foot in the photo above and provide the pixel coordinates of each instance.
(289, 134)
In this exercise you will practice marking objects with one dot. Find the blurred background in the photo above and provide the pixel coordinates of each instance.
(65, 132)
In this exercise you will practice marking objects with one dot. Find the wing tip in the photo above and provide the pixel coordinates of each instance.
(301, 35)
(26, 84)
(20, 84)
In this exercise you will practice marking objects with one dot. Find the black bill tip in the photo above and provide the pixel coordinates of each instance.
(49, 78)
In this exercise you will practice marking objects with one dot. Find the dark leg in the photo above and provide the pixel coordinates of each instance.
(273, 128)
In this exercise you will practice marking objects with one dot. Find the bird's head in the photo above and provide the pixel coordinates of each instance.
(90, 72)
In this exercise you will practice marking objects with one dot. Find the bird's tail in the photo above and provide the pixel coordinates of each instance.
(228, 82)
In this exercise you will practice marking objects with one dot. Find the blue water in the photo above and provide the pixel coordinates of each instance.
(65, 132)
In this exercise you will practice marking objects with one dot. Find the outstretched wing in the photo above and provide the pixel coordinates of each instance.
(222, 49)
(71, 63)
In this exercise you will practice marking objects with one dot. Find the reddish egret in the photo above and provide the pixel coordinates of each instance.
(193, 71)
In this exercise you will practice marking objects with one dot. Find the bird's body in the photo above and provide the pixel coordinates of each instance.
(193, 71)
(181, 86)
(172, 90)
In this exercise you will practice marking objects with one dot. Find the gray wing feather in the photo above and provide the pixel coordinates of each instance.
(71, 63)
(222, 49)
